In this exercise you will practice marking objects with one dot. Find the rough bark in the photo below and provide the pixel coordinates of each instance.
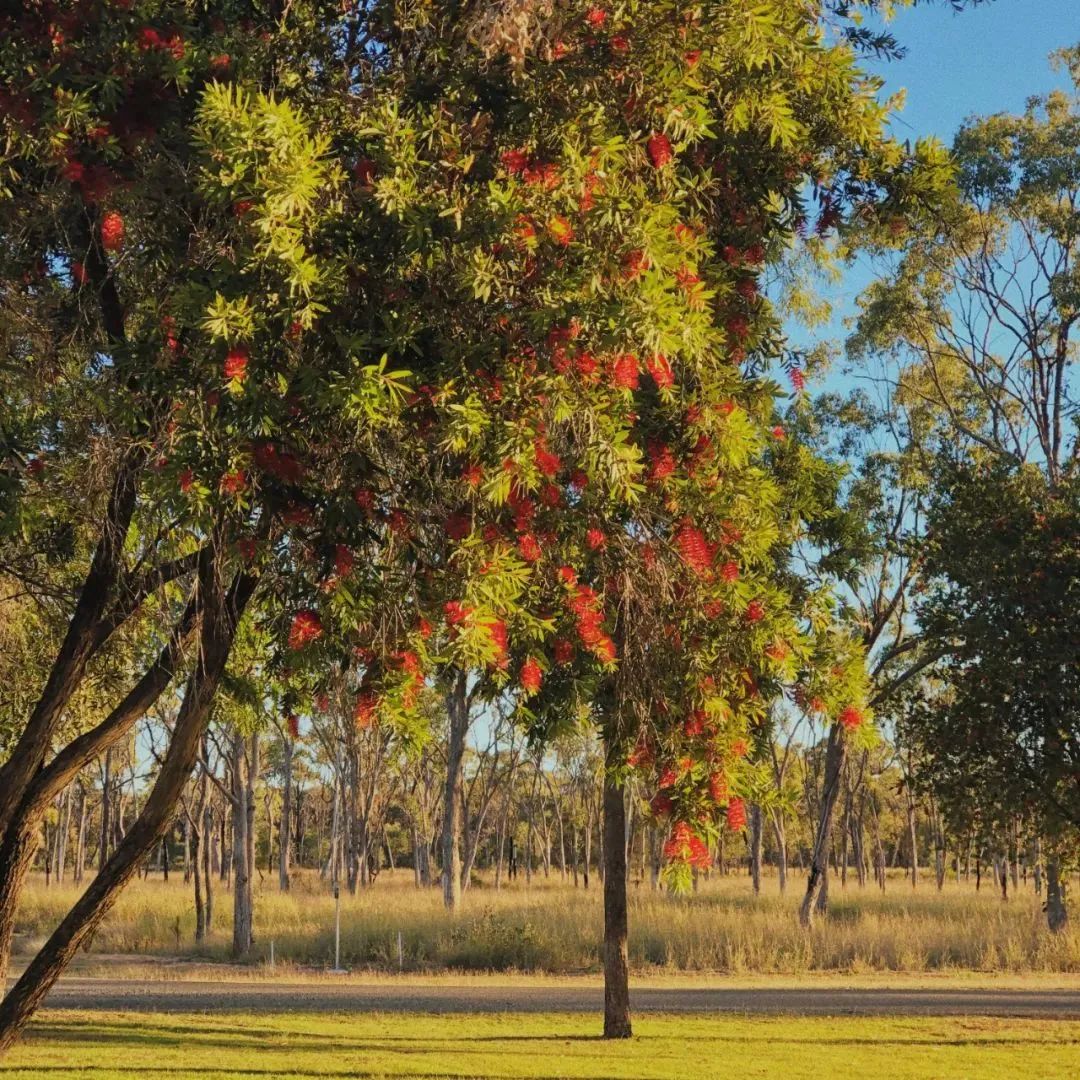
(835, 756)
(285, 824)
(755, 847)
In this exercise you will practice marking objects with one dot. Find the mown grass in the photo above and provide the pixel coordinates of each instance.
(110, 1046)
(555, 928)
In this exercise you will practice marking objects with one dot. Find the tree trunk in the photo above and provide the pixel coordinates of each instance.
(285, 825)
(835, 756)
(242, 902)
(216, 636)
(781, 849)
(106, 806)
(755, 847)
(616, 955)
(457, 708)
(1057, 915)
(80, 840)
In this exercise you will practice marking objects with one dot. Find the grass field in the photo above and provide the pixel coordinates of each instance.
(555, 928)
(111, 1046)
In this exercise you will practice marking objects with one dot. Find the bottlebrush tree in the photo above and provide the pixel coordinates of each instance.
(320, 282)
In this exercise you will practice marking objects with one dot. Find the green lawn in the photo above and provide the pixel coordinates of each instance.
(230, 1046)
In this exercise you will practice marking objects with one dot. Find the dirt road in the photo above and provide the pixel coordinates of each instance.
(183, 996)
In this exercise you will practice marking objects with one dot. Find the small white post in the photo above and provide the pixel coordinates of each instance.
(337, 928)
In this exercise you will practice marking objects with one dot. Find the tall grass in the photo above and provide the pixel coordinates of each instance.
(553, 927)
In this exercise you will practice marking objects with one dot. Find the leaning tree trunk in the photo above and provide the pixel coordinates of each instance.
(616, 954)
(835, 756)
(216, 636)
(458, 710)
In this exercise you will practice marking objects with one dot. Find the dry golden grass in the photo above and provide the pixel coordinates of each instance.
(553, 928)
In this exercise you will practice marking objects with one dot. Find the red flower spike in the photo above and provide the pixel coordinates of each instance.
(736, 814)
(624, 373)
(529, 548)
(595, 539)
(659, 148)
(292, 722)
(236, 363)
(306, 628)
(659, 368)
(531, 676)
(563, 651)
(112, 231)
(850, 717)
(755, 611)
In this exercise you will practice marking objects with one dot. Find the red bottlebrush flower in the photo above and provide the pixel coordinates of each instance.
(149, 39)
(669, 777)
(399, 523)
(718, 789)
(659, 148)
(739, 748)
(35, 467)
(663, 461)
(817, 705)
(562, 232)
(497, 632)
(473, 475)
(693, 548)
(241, 207)
(529, 547)
(515, 162)
(755, 254)
(755, 611)
(456, 612)
(236, 363)
(737, 327)
(642, 754)
(595, 539)
(661, 805)
(778, 650)
(292, 723)
(798, 380)
(248, 548)
(729, 572)
(364, 171)
(343, 560)
(714, 609)
(458, 525)
(659, 368)
(634, 263)
(747, 289)
(187, 481)
(306, 628)
(778, 433)
(694, 724)
(850, 717)
(547, 462)
(524, 229)
(531, 676)
(232, 483)
(73, 171)
(563, 651)
(700, 856)
(423, 628)
(568, 575)
(692, 57)
(620, 43)
(736, 814)
(367, 706)
(624, 372)
(79, 274)
(364, 498)
(604, 650)
(596, 17)
(546, 175)
(221, 63)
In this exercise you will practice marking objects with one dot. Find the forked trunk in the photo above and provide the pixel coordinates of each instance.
(82, 920)
(835, 755)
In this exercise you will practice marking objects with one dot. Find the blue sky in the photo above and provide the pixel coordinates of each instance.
(990, 58)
